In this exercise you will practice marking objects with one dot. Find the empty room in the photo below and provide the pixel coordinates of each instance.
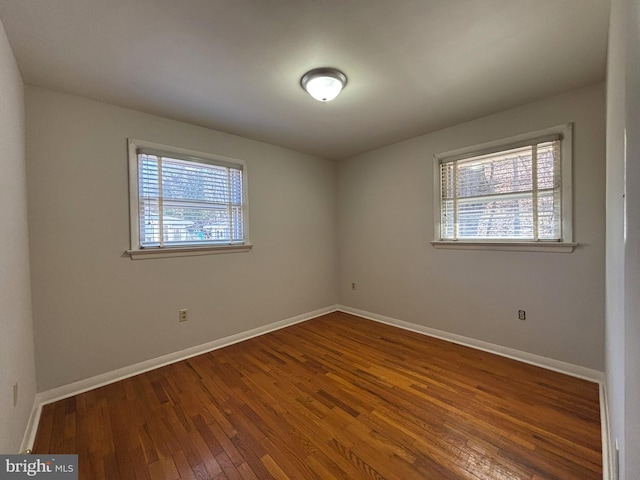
(320, 239)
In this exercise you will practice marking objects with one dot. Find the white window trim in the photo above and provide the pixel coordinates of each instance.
(136, 252)
(565, 246)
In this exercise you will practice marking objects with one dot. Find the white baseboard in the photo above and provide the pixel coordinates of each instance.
(537, 360)
(32, 426)
(607, 450)
(87, 384)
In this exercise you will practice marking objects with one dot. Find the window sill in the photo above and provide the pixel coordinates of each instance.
(148, 253)
(555, 247)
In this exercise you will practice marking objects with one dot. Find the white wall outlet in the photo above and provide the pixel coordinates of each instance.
(15, 394)
(353, 285)
(182, 315)
(522, 315)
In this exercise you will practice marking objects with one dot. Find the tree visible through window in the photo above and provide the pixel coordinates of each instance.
(507, 193)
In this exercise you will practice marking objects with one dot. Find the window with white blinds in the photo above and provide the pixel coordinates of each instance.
(513, 191)
(186, 199)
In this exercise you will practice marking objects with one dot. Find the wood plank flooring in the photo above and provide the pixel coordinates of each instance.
(337, 397)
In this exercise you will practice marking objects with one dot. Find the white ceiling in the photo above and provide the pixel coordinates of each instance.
(413, 66)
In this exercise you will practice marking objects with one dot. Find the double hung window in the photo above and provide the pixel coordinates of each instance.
(513, 192)
(184, 201)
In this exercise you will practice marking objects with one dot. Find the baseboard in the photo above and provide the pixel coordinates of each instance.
(607, 451)
(97, 381)
(32, 427)
(537, 360)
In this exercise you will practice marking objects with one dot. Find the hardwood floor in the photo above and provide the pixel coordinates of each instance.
(337, 397)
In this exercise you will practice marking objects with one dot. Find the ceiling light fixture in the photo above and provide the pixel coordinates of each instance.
(323, 84)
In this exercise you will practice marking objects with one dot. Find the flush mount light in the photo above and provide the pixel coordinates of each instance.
(323, 84)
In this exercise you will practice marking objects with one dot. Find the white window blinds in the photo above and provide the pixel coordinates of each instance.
(187, 201)
(511, 194)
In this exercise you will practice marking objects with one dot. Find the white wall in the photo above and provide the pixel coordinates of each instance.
(386, 222)
(623, 234)
(16, 330)
(96, 310)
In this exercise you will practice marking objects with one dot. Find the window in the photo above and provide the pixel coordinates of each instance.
(514, 194)
(185, 202)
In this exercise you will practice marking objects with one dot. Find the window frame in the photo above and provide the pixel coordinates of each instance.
(136, 250)
(564, 245)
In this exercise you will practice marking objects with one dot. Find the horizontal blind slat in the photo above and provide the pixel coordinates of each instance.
(176, 157)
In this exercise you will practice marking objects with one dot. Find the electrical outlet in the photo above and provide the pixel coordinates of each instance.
(522, 315)
(353, 285)
(182, 315)
(15, 394)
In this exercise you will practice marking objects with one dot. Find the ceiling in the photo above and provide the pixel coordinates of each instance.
(413, 66)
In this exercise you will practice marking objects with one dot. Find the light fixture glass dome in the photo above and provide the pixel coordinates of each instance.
(323, 84)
